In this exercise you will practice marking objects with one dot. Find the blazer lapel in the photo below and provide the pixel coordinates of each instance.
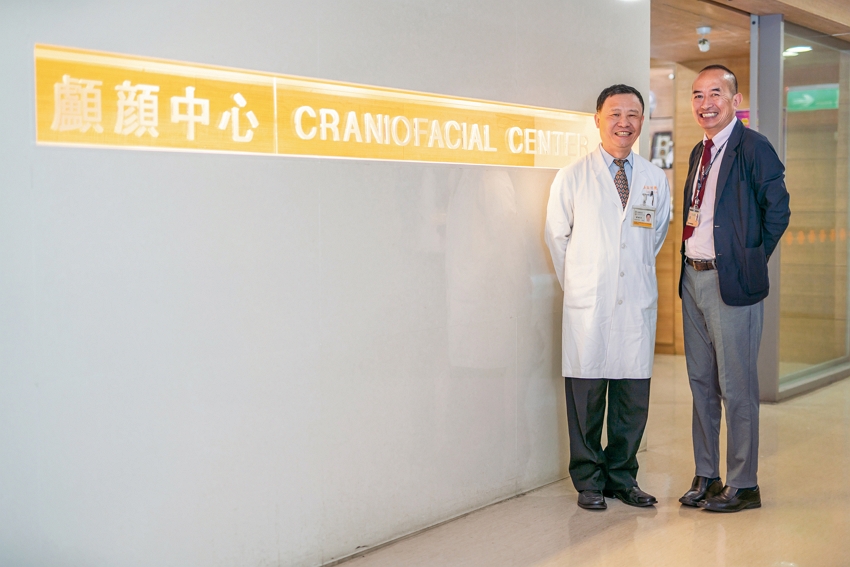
(728, 159)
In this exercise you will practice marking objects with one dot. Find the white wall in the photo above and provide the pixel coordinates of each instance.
(219, 360)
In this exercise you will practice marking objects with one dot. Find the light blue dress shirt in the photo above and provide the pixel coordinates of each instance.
(612, 167)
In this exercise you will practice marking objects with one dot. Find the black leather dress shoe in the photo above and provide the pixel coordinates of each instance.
(633, 496)
(733, 500)
(591, 500)
(701, 489)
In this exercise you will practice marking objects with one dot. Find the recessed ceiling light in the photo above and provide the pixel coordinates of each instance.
(703, 43)
(790, 54)
(799, 49)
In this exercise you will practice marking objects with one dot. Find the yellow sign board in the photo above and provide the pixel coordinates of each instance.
(101, 99)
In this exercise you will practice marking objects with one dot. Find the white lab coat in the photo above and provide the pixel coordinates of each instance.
(606, 267)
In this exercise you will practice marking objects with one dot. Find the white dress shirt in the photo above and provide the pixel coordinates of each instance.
(700, 246)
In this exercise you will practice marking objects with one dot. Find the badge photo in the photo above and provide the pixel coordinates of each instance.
(643, 217)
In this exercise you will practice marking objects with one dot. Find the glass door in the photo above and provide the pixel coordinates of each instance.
(813, 333)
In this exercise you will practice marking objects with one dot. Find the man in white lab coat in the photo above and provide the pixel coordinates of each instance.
(606, 220)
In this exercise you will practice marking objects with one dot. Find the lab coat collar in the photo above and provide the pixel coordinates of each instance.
(604, 178)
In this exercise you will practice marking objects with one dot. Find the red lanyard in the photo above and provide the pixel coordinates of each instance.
(703, 177)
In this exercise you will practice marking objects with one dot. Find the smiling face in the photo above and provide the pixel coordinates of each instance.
(713, 101)
(619, 121)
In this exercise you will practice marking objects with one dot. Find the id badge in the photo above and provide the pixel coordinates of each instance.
(643, 217)
(693, 217)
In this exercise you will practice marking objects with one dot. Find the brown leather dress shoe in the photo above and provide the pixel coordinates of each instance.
(701, 488)
(591, 500)
(733, 500)
(633, 496)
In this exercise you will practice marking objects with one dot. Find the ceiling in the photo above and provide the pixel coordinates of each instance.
(674, 31)
(674, 24)
(830, 17)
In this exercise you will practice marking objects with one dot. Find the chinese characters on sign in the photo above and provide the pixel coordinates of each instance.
(190, 117)
(137, 109)
(76, 105)
(252, 118)
(92, 98)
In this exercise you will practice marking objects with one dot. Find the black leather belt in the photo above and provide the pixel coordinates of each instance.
(701, 265)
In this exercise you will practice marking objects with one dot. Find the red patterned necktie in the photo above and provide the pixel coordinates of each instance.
(621, 182)
(697, 198)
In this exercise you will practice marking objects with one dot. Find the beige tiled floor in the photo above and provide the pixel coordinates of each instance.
(804, 520)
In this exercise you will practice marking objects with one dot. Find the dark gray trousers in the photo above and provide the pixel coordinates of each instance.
(721, 350)
(615, 467)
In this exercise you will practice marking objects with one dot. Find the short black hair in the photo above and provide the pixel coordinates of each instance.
(615, 90)
(726, 70)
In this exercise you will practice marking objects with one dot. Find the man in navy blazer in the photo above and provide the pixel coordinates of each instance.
(736, 210)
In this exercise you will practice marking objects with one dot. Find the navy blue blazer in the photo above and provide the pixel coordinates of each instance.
(750, 214)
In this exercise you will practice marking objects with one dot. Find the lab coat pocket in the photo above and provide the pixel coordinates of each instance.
(650, 288)
(580, 286)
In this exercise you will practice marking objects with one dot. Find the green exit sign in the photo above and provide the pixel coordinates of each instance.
(812, 97)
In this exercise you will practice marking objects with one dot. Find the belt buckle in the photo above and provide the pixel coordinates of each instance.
(702, 265)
